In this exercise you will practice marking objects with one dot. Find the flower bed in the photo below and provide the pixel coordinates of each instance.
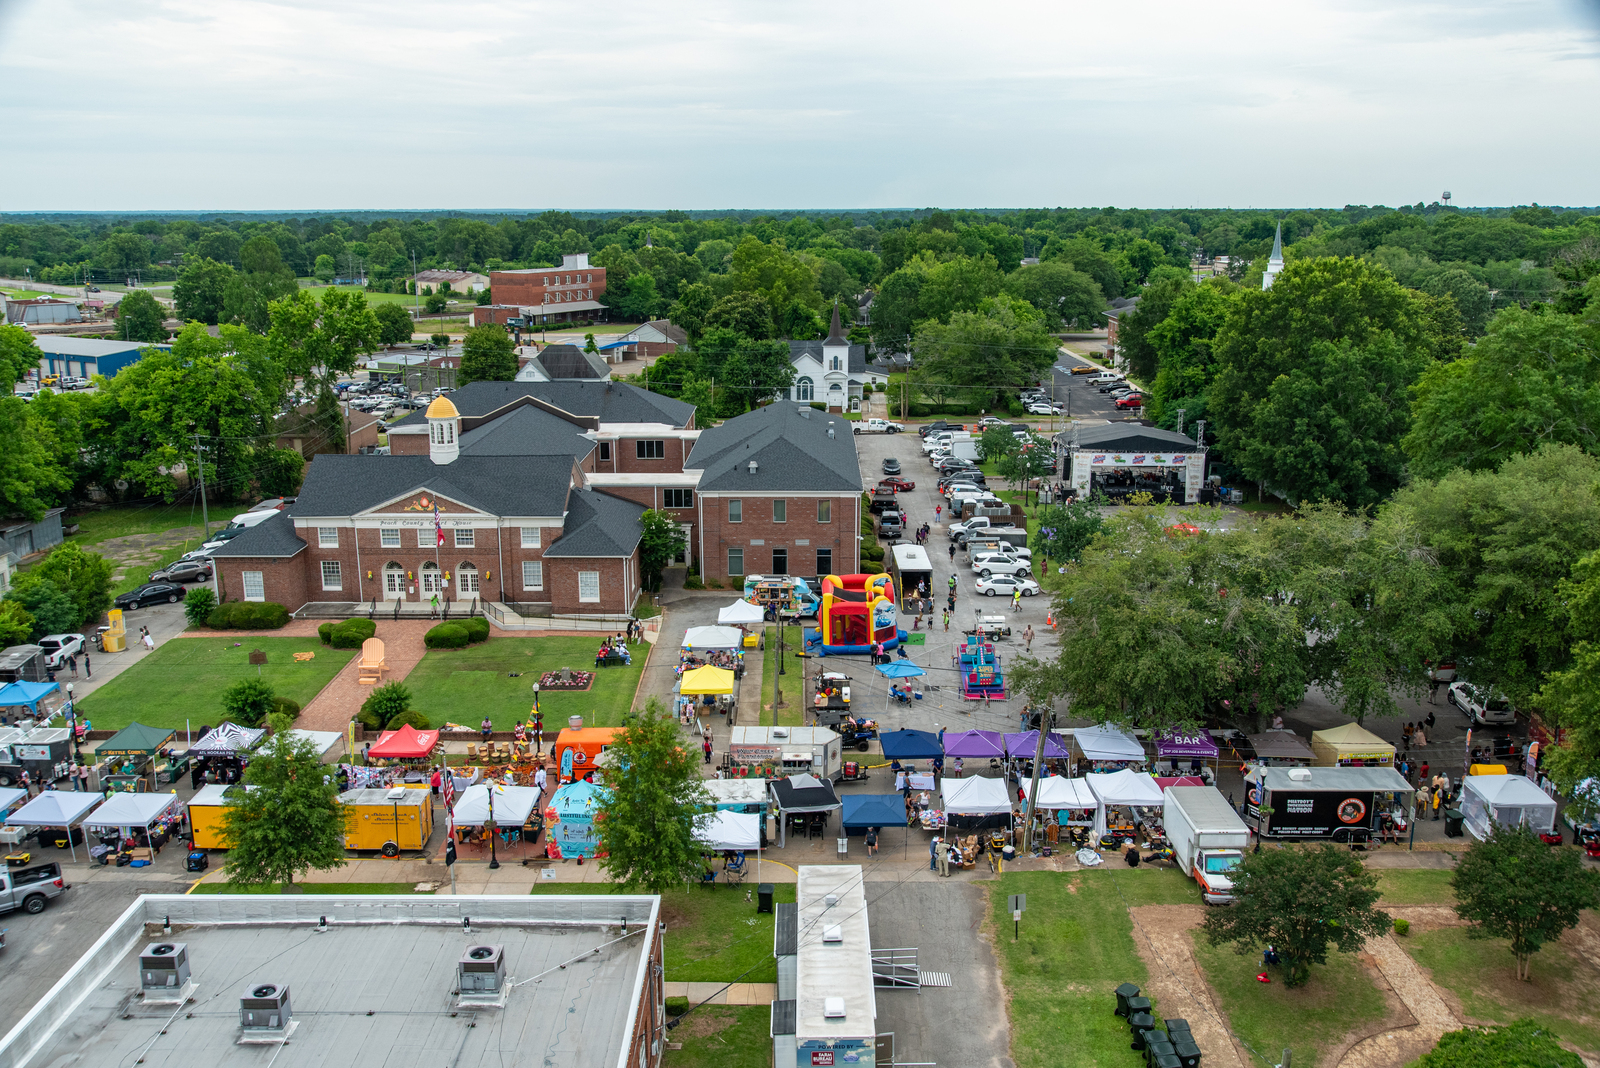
(578, 680)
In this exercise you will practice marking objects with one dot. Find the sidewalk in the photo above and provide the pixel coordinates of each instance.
(334, 707)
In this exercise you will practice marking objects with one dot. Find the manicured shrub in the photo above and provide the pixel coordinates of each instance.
(248, 701)
(384, 703)
(411, 716)
(477, 628)
(869, 567)
(1402, 927)
(446, 636)
(351, 633)
(285, 706)
(248, 615)
(325, 632)
(198, 604)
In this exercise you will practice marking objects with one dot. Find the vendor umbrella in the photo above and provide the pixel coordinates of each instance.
(704, 680)
(899, 669)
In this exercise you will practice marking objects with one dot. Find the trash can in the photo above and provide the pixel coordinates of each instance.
(1156, 1045)
(1138, 1004)
(1140, 1023)
(844, 845)
(764, 897)
(1124, 992)
(1165, 1060)
(1452, 823)
(1175, 1025)
(1188, 1052)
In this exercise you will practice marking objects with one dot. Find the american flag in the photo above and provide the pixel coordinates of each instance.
(438, 528)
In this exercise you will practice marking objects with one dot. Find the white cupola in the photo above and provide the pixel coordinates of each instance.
(444, 431)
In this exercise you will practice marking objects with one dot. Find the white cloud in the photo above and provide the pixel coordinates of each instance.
(235, 104)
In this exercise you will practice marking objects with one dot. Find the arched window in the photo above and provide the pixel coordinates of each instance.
(835, 366)
(394, 579)
(467, 578)
(802, 389)
(431, 578)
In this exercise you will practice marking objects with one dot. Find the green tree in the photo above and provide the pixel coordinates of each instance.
(16, 624)
(264, 279)
(394, 324)
(435, 303)
(321, 341)
(691, 309)
(1471, 297)
(32, 478)
(51, 607)
(744, 313)
(997, 441)
(200, 292)
(123, 253)
(279, 472)
(985, 354)
(19, 354)
(1033, 460)
(635, 299)
(897, 308)
(589, 345)
(1182, 343)
(248, 702)
(487, 355)
(1520, 1044)
(83, 576)
(647, 820)
(1304, 902)
(141, 318)
(1065, 530)
(325, 269)
(661, 539)
(292, 822)
(1513, 886)
(1133, 329)
(1062, 293)
(1533, 380)
(198, 604)
(959, 285)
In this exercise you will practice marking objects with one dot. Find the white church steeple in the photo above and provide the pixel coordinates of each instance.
(1275, 264)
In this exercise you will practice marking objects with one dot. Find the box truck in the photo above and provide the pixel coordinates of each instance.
(1208, 838)
(788, 751)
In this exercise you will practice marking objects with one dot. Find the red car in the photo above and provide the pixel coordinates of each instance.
(1132, 400)
(896, 484)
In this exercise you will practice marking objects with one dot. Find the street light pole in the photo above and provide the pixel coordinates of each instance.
(488, 828)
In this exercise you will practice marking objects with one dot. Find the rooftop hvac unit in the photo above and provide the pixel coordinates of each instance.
(265, 1007)
(482, 969)
(830, 900)
(833, 934)
(1300, 774)
(780, 732)
(164, 965)
(833, 1008)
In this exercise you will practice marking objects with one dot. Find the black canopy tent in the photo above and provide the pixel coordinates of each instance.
(801, 794)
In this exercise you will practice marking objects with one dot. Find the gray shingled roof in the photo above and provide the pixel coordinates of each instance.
(1128, 437)
(611, 402)
(338, 485)
(273, 538)
(526, 431)
(569, 361)
(856, 364)
(790, 446)
(598, 524)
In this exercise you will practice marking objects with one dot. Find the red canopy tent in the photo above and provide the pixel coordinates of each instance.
(407, 743)
(1179, 780)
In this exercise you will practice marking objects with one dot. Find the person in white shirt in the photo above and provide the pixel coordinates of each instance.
(539, 779)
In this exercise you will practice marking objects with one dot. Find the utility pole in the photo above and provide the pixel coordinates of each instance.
(1033, 790)
(200, 462)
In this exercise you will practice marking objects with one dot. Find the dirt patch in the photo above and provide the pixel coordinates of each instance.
(704, 1022)
(140, 551)
(1425, 917)
(1161, 935)
(1400, 1040)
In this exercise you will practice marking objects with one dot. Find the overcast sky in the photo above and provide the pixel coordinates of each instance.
(232, 104)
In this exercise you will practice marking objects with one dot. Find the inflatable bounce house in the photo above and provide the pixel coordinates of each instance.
(856, 610)
(788, 593)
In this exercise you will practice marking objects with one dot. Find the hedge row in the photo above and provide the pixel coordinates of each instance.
(457, 633)
(248, 615)
(347, 635)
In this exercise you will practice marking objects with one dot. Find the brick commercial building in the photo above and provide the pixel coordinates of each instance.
(552, 294)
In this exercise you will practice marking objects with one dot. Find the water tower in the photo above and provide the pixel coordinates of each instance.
(1446, 196)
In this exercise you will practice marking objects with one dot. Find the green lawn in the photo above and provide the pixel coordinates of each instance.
(184, 678)
(723, 1036)
(464, 685)
(1339, 997)
(713, 936)
(1076, 947)
(792, 714)
(1563, 992)
(305, 888)
(124, 520)
(1415, 886)
(137, 576)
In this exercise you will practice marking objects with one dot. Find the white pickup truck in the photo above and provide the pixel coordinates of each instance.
(29, 888)
(878, 426)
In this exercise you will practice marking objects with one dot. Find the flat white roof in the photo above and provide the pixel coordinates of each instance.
(840, 969)
(912, 558)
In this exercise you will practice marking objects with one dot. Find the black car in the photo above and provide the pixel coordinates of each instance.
(184, 571)
(891, 466)
(928, 428)
(150, 593)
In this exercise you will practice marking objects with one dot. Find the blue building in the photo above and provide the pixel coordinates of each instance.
(87, 356)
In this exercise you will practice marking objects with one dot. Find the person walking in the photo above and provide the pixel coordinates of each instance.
(1027, 637)
(1424, 799)
(944, 860)
(947, 621)
(952, 549)
(1016, 599)
(1429, 721)
(1438, 803)
(86, 672)
(26, 781)
(1422, 776)
(433, 606)
(705, 745)
(149, 641)
(1419, 736)
(933, 854)
(872, 841)
(938, 513)
(72, 665)
(539, 779)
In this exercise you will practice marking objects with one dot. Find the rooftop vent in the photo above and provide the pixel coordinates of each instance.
(482, 969)
(833, 1008)
(753, 466)
(164, 965)
(831, 900)
(834, 934)
(780, 732)
(1300, 774)
(265, 1007)
(397, 794)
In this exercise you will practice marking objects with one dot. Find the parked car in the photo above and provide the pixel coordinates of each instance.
(955, 488)
(1113, 385)
(1044, 408)
(891, 466)
(1132, 400)
(932, 428)
(891, 524)
(896, 483)
(1010, 552)
(1103, 377)
(991, 420)
(877, 426)
(197, 554)
(1001, 565)
(150, 593)
(1005, 585)
(223, 536)
(29, 889)
(1085, 369)
(57, 647)
(182, 571)
(1486, 708)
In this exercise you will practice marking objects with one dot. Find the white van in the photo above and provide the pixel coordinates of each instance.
(250, 519)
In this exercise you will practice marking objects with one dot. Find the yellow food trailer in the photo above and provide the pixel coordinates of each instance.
(207, 810)
(387, 820)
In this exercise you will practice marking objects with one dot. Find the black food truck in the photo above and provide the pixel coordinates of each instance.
(1343, 804)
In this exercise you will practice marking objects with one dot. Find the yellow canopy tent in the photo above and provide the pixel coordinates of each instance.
(1351, 745)
(704, 680)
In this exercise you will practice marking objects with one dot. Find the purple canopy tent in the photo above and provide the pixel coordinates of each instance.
(1192, 747)
(1025, 744)
(974, 744)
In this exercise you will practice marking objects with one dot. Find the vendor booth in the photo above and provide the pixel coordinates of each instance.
(735, 831)
(11, 799)
(515, 809)
(1180, 751)
(1073, 803)
(37, 701)
(740, 613)
(577, 750)
(738, 795)
(404, 743)
(862, 811)
(325, 742)
(45, 753)
(706, 639)
(976, 803)
(53, 810)
(1024, 745)
(570, 818)
(208, 810)
(387, 820)
(218, 756)
(146, 820)
(1346, 804)
(911, 745)
(1506, 800)
(1124, 800)
(703, 680)
(1108, 748)
(805, 801)
(1350, 746)
(975, 744)
(130, 757)
(1282, 748)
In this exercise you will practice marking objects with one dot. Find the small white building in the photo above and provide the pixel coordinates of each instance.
(460, 281)
(832, 371)
(42, 310)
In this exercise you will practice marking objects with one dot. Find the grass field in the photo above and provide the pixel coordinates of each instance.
(793, 712)
(1415, 886)
(126, 520)
(1339, 997)
(185, 677)
(464, 685)
(713, 936)
(723, 1036)
(304, 888)
(1562, 993)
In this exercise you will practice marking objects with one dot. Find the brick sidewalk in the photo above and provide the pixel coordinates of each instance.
(340, 700)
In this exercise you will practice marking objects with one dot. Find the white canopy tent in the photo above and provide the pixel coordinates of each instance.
(737, 793)
(707, 638)
(323, 740)
(59, 808)
(512, 805)
(10, 796)
(740, 611)
(1124, 788)
(124, 812)
(976, 796)
(1060, 792)
(1106, 742)
(729, 830)
(1509, 800)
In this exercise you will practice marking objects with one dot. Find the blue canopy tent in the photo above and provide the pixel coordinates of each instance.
(898, 669)
(872, 810)
(27, 694)
(911, 745)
